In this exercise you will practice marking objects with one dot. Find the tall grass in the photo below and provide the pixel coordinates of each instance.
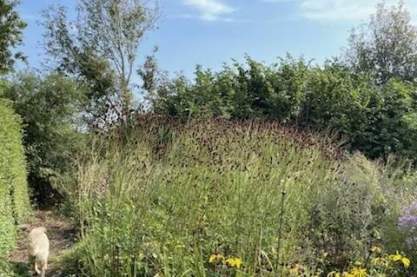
(169, 197)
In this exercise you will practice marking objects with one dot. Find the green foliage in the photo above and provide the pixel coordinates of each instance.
(392, 126)
(377, 120)
(347, 218)
(238, 91)
(5, 268)
(14, 197)
(217, 189)
(337, 100)
(11, 26)
(50, 111)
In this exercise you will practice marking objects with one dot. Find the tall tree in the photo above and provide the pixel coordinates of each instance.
(386, 47)
(100, 48)
(11, 26)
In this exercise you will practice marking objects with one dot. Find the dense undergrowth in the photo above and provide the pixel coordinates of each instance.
(14, 197)
(217, 198)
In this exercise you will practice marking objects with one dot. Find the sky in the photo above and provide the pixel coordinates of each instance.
(212, 32)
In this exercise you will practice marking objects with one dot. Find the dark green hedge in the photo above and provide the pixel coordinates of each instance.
(14, 197)
(378, 120)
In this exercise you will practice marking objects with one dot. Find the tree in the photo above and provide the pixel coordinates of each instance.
(386, 47)
(100, 49)
(11, 26)
(238, 91)
(49, 107)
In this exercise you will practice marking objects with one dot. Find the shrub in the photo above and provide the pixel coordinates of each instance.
(239, 91)
(377, 120)
(347, 217)
(50, 112)
(14, 198)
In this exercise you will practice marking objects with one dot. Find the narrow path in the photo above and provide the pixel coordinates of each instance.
(61, 235)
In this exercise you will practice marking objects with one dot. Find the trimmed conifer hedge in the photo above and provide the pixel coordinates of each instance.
(14, 196)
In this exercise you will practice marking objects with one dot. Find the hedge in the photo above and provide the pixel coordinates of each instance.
(14, 196)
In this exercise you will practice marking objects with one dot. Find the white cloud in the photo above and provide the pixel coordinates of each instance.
(210, 10)
(336, 9)
(342, 10)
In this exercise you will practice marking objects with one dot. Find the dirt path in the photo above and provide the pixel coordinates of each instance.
(61, 235)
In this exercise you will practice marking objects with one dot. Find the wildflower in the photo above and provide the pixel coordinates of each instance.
(234, 262)
(406, 262)
(358, 272)
(395, 258)
(215, 258)
(399, 258)
(376, 249)
(408, 222)
(379, 261)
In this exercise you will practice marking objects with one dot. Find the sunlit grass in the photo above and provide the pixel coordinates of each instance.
(170, 198)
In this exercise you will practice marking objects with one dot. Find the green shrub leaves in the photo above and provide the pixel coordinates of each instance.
(14, 198)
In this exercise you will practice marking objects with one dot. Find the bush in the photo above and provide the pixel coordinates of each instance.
(376, 120)
(50, 111)
(14, 198)
(240, 91)
(347, 217)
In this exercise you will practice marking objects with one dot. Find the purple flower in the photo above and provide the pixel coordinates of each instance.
(407, 223)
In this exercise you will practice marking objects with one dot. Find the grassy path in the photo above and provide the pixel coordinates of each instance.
(61, 234)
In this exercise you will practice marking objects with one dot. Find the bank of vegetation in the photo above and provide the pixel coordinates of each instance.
(257, 169)
(14, 196)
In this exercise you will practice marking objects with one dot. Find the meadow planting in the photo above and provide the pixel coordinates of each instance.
(218, 198)
(290, 166)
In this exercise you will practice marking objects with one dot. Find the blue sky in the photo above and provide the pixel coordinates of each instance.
(211, 32)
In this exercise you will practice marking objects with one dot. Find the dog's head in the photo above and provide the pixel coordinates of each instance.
(39, 230)
(42, 229)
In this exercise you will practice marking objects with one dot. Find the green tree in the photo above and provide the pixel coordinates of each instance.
(100, 49)
(246, 90)
(11, 26)
(335, 99)
(386, 47)
(50, 109)
(392, 121)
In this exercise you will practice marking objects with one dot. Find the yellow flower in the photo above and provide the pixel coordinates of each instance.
(234, 262)
(380, 261)
(215, 258)
(395, 258)
(406, 262)
(359, 272)
(376, 249)
(399, 258)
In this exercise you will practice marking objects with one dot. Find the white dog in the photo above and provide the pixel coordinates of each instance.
(39, 250)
